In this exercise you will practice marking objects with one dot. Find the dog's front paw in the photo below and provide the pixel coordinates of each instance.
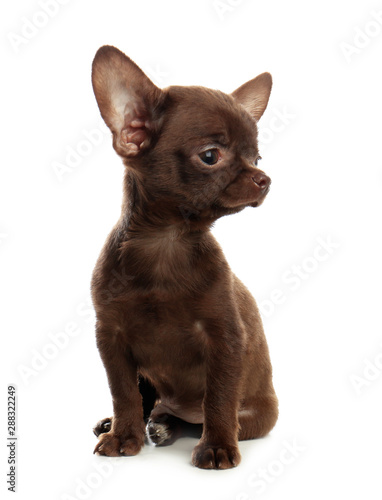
(111, 445)
(206, 456)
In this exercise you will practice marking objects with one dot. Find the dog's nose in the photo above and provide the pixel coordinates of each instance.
(262, 180)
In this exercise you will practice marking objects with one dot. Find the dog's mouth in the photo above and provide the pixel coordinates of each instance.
(264, 190)
(248, 189)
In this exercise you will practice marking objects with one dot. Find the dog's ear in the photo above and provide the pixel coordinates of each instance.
(128, 100)
(254, 95)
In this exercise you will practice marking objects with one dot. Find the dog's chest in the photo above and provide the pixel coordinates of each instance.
(167, 329)
(163, 321)
(170, 346)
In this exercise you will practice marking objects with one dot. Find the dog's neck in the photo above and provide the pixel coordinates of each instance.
(143, 214)
(168, 253)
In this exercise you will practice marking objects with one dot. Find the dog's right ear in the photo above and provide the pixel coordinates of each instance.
(128, 100)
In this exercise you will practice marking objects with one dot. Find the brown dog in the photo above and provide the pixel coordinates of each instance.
(179, 335)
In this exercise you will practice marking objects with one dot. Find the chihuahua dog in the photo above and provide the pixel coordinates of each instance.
(179, 335)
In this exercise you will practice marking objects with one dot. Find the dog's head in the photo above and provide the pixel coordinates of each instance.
(192, 150)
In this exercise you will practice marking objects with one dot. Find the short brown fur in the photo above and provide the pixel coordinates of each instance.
(180, 336)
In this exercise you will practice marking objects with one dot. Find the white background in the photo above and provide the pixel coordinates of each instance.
(324, 158)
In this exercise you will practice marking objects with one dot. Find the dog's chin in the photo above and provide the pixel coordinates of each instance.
(241, 204)
(221, 209)
(257, 203)
(228, 206)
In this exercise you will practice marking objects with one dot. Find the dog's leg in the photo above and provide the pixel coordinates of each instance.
(218, 446)
(126, 436)
(258, 416)
(149, 397)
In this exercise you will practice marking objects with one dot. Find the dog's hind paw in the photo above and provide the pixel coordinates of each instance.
(162, 430)
(158, 433)
(102, 426)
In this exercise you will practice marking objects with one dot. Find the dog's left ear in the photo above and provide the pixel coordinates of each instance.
(128, 100)
(254, 95)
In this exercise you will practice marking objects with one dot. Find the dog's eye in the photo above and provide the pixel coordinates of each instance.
(257, 160)
(210, 157)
